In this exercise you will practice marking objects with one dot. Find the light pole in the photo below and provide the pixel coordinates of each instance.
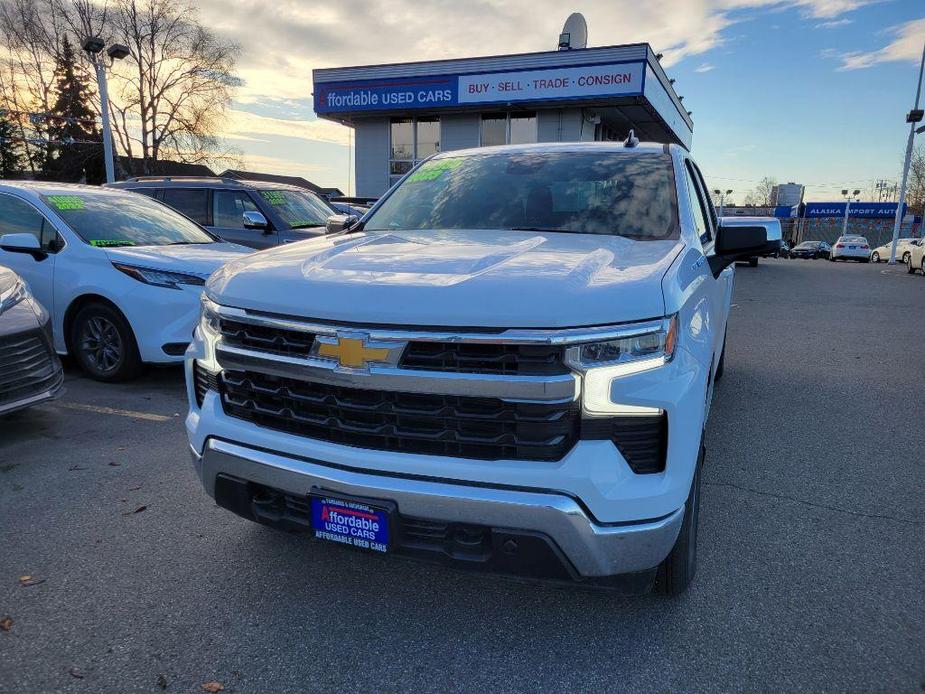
(94, 47)
(848, 201)
(914, 116)
(722, 199)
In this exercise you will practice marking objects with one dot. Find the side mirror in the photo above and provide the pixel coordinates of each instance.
(735, 242)
(22, 243)
(339, 222)
(255, 220)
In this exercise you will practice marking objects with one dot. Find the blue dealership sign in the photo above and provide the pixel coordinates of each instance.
(866, 210)
(436, 91)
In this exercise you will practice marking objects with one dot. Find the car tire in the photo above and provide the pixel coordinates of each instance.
(676, 572)
(909, 268)
(923, 265)
(875, 257)
(753, 262)
(103, 344)
(907, 257)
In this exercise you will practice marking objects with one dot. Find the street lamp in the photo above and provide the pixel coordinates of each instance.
(914, 116)
(94, 46)
(722, 199)
(848, 200)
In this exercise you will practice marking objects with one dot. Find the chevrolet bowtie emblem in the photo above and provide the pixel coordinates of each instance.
(352, 352)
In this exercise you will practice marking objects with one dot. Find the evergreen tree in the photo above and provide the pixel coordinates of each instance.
(11, 159)
(73, 121)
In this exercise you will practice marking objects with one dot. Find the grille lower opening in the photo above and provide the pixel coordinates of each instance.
(641, 439)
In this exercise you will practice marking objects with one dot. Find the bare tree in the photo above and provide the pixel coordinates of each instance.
(169, 97)
(915, 185)
(761, 195)
(32, 32)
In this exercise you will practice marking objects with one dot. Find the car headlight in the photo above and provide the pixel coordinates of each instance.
(18, 292)
(159, 278)
(631, 350)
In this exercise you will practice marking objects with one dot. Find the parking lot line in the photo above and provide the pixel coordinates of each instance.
(148, 416)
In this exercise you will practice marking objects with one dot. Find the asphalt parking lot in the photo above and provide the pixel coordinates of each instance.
(812, 547)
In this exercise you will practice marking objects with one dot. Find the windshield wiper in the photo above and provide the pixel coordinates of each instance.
(549, 229)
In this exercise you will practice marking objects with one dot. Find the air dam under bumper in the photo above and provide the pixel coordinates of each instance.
(593, 549)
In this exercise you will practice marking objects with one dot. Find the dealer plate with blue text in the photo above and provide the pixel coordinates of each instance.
(350, 522)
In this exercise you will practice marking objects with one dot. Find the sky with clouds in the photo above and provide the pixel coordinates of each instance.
(813, 91)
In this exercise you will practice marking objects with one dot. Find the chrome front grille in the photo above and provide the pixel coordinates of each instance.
(431, 424)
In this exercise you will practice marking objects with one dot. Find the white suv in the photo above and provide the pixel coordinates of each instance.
(916, 257)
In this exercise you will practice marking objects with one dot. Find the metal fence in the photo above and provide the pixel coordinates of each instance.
(876, 231)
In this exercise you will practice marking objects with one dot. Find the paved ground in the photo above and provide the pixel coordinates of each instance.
(810, 572)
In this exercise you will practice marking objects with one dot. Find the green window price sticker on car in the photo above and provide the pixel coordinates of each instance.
(274, 197)
(66, 202)
(434, 169)
(109, 243)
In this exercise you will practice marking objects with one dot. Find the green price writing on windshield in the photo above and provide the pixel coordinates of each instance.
(66, 202)
(434, 169)
(105, 243)
(274, 197)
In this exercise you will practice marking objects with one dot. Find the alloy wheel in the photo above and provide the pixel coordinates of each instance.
(101, 344)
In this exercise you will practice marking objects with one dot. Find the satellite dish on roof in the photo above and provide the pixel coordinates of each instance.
(574, 32)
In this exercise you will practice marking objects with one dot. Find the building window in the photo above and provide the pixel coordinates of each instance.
(508, 128)
(522, 128)
(412, 140)
(494, 129)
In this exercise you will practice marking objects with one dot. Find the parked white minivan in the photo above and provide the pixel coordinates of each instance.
(121, 274)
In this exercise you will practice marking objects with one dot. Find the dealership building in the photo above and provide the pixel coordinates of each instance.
(405, 112)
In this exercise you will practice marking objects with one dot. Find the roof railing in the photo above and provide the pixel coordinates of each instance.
(167, 179)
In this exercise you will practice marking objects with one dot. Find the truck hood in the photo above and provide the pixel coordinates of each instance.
(196, 258)
(461, 278)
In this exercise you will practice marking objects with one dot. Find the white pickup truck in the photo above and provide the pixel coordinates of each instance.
(506, 366)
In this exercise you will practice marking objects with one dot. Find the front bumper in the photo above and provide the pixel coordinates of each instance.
(589, 549)
(30, 371)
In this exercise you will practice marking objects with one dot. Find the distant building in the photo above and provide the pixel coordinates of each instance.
(136, 166)
(787, 194)
(287, 180)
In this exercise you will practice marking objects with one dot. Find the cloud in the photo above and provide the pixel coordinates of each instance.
(704, 67)
(833, 23)
(906, 46)
(245, 125)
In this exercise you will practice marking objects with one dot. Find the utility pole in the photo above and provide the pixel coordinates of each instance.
(914, 116)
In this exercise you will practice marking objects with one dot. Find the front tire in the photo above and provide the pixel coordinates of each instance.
(103, 344)
(907, 257)
(909, 268)
(875, 257)
(753, 262)
(676, 573)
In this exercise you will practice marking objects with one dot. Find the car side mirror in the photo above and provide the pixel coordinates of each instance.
(339, 222)
(738, 243)
(256, 220)
(22, 243)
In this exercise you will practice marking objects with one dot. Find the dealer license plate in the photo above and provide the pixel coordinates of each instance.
(350, 522)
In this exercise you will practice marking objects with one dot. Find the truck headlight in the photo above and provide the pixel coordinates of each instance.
(630, 350)
(209, 321)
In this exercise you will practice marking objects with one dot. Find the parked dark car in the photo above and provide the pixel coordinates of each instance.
(812, 250)
(30, 372)
(252, 213)
(784, 251)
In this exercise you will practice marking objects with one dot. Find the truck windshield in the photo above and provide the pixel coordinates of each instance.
(613, 193)
(299, 209)
(124, 219)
